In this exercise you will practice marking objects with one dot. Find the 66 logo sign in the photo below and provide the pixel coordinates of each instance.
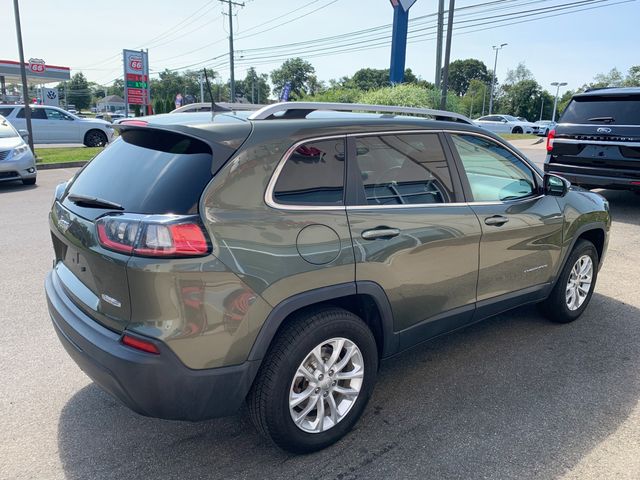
(36, 65)
(135, 63)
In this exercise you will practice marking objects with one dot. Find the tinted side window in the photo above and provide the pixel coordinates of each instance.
(313, 175)
(494, 173)
(404, 169)
(36, 114)
(56, 114)
(5, 112)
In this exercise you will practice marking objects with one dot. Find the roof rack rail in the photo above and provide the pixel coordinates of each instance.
(302, 109)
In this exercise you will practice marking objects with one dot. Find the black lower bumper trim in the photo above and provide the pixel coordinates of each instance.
(152, 385)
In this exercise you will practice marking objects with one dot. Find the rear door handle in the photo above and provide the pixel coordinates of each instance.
(496, 220)
(381, 232)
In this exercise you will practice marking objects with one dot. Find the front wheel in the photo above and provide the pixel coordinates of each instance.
(517, 130)
(315, 381)
(95, 138)
(574, 288)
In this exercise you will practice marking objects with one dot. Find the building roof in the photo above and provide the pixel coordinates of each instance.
(112, 99)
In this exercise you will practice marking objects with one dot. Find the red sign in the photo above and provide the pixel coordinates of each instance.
(36, 65)
(136, 78)
(136, 92)
(135, 63)
(136, 100)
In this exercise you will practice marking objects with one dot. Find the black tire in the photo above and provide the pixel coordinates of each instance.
(95, 138)
(555, 306)
(517, 130)
(268, 399)
(29, 181)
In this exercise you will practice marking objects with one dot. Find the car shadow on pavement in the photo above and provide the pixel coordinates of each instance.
(16, 186)
(512, 397)
(625, 205)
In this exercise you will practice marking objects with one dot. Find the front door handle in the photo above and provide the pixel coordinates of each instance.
(380, 232)
(496, 220)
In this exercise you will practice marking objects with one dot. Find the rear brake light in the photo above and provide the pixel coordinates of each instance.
(139, 344)
(550, 137)
(151, 239)
(139, 123)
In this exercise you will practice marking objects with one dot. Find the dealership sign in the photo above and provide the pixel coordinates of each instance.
(136, 77)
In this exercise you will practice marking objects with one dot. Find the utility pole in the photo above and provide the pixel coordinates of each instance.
(23, 72)
(232, 79)
(493, 80)
(541, 107)
(201, 88)
(555, 102)
(439, 43)
(447, 56)
(484, 98)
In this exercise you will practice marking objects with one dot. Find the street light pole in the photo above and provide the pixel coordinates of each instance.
(23, 72)
(493, 80)
(555, 102)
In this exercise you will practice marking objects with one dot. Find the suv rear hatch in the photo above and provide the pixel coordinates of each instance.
(599, 135)
(147, 173)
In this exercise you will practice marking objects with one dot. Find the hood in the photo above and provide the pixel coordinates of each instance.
(95, 121)
(10, 142)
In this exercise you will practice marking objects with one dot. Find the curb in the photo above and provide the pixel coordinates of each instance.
(51, 166)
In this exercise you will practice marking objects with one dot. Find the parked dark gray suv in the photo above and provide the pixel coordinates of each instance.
(276, 257)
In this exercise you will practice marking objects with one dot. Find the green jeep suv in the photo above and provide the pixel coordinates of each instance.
(275, 257)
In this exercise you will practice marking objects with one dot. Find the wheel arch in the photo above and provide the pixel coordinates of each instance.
(365, 299)
(595, 233)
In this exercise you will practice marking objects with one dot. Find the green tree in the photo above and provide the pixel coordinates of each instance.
(462, 72)
(518, 74)
(373, 78)
(409, 96)
(475, 95)
(522, 99)
(300, 73)
(158, 106)
(254, 87)
(78, 92)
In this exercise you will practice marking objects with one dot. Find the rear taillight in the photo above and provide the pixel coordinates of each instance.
(139, 344)
(550, 137)
(173, 238)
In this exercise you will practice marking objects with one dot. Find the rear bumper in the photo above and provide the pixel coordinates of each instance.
(601, 181)
(152, 385)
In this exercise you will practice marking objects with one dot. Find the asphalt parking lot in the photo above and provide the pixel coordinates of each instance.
(513, 397)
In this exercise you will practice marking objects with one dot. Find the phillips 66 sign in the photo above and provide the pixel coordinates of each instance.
(136, 77)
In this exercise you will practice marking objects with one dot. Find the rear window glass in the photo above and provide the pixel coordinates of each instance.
(624, 110)
(313, 175)
(148, 171)
(6, 111)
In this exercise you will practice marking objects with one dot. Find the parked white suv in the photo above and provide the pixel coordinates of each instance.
(505, 124)
(55, 125)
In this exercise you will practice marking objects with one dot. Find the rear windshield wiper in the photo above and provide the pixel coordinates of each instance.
(87, 201)
(601, 119)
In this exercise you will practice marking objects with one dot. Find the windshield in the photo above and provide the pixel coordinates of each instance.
(6, 130)
(615, 110)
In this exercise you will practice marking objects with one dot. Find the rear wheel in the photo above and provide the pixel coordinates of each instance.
(573, 290)
(316, 380)
(95, 138)
(517, 130)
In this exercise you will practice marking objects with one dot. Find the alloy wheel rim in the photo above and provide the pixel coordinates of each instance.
(326, 385)
(579, 283)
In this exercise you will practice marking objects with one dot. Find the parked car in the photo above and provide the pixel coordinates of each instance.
(505, 124)
(544, 127)
(278, 257)
(55, 125)
(597, 140)
(16, 159)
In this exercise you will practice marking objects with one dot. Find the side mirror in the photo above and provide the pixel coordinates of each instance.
(555, 185)
(24, 134)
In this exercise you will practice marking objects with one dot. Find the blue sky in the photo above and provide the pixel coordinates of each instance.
(89, 36)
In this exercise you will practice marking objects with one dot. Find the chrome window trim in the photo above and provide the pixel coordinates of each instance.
(597, 142)
(270, 201)
(595, 125)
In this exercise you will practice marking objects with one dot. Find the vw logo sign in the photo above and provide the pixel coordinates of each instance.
(604, 130)
(51, 94)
